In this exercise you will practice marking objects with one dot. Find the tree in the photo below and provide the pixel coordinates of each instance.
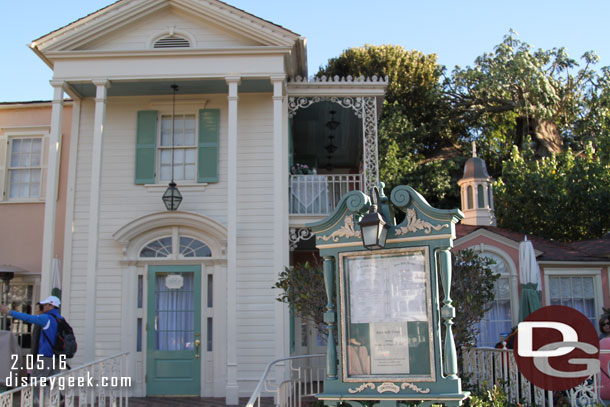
(302, 286)
(564, 197)
(413, 131)
(516, 91)
(430, 118)
(472, 290)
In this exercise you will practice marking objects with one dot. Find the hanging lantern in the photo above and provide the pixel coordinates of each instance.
(373, 227)
(172, 197)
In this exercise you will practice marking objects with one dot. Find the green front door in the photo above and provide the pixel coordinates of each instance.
(174, 335)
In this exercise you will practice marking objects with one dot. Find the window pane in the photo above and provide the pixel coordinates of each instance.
(480, 197)
(184, 159)
(189, 172)
(554, 283)
(16, 145)
(470, 197)
(178, 156)
(158, 248)
(189, 156)
(577, 288)
(140, 290)
(210, 335)
(166, 172)
(189, 138)
(174, 312)
(178, 138)
(577, 292)
(139, 335)
(24, 167)
(178, 172)
(588, 287)
(190, 247)
(36, 145)
(210, 287)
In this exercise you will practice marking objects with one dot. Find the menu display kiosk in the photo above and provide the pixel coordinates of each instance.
(384, 314)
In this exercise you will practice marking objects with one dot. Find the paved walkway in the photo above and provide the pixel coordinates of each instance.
(189, 401)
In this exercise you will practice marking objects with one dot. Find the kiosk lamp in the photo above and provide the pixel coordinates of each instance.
(373, 227)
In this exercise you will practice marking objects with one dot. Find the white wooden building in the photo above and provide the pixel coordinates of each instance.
(188, 292)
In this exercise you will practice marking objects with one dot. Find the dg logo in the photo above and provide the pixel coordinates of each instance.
(557, 348)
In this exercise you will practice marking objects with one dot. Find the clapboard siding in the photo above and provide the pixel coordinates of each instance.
(256, 304)
(139, 34)
(121, 201)
(78, 262)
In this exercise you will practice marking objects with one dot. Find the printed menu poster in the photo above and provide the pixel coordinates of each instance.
(389, 348)
(387, 288)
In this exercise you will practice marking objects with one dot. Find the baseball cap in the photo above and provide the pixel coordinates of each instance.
(53, 300)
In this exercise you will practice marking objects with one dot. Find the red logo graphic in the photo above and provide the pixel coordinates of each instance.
(557, 348)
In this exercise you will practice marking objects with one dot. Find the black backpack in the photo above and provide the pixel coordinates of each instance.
(65, 342)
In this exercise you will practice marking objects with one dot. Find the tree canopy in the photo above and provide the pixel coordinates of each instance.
(559, 197)
(541, 102)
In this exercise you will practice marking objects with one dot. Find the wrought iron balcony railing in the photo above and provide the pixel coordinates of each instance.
(317, 195)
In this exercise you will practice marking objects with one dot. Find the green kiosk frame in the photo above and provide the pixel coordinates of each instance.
(384, 313)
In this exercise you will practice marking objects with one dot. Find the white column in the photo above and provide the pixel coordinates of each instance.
(66, 266)
(280, 241)
(52, 182)
(94, 215)
(232, 390)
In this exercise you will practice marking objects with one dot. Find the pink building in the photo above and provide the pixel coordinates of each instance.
(572, 274)
(24, 166)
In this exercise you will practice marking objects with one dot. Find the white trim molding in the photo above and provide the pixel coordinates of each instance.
(596, 273)
(136, 233)
(491, 235)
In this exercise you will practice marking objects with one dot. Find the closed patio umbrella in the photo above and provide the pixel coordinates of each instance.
(529, 277)
(55, 279)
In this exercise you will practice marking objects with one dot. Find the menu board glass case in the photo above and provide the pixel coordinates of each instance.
(386, 319)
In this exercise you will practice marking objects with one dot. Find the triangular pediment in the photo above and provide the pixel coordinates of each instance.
(136, 24)
(169, 23)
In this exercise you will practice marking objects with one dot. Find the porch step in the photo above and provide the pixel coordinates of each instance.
(190, 401)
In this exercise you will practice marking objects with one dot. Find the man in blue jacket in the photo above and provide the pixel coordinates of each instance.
(46, 363)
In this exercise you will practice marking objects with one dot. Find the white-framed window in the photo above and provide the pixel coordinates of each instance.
(193, 149)
(579, 289)
(24, 167)
(498, 321)
(23, 163)
(184, 148)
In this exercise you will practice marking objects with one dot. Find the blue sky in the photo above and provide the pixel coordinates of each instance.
(457, 31)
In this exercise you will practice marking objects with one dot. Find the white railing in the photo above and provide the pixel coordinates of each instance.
(318, 195)
(306, 379)
(101, 383)
(486, 367)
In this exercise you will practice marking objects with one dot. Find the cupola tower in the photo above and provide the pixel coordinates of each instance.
(476, 193)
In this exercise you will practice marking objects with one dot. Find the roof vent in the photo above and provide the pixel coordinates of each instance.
(172, 41)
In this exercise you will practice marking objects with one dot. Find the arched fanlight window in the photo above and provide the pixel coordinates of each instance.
(158, 248)
(190, 247)
(186, 247)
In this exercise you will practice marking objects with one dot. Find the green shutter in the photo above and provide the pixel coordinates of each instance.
(207, 170)
(146, 147)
